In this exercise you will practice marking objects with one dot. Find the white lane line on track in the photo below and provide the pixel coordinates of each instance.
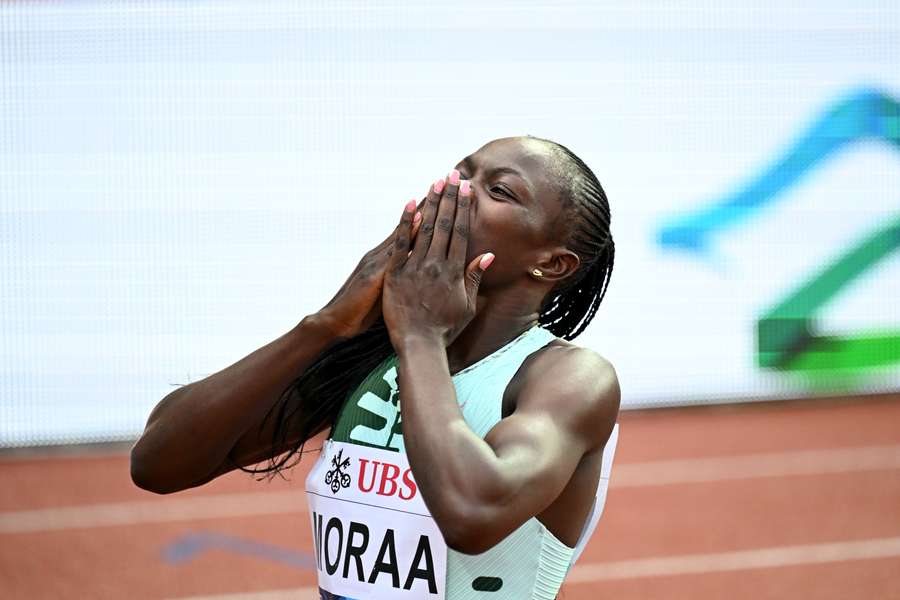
(781, 464)
(174, 508)
(152, 511)
(687, 564)
(284, 594)
(760, 558)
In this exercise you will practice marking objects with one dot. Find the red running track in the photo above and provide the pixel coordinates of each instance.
(767, 500)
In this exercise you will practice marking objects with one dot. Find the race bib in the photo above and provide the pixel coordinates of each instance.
(373, 536)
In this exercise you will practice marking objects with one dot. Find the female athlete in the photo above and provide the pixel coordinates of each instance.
(469, 442)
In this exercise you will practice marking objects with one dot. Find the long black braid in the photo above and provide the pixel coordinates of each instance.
(311, 403)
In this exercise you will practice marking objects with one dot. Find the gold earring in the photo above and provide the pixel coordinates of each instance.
(537, 273)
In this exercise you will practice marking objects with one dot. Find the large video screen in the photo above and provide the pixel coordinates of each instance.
(183, 182)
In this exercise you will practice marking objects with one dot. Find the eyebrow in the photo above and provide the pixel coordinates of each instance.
(469, 164)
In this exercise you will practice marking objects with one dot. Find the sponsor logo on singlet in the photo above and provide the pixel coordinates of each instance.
(337, 478)
(373, 477)
(386, 479)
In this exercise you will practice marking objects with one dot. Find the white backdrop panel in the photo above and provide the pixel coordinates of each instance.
(181, 183)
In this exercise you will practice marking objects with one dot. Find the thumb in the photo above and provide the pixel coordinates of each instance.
(474, 272)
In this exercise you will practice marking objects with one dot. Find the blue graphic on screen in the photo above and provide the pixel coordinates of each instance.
(862, 114)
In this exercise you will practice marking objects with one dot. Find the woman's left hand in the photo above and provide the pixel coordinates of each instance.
(429, 291)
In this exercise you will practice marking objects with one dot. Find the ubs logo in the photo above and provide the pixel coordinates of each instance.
(336, 477)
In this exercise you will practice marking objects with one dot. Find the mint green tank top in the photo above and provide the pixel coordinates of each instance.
(530, 563)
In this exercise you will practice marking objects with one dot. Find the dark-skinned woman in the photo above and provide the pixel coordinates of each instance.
(470, 443)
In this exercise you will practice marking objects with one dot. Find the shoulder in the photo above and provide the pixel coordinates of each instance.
(577, 385)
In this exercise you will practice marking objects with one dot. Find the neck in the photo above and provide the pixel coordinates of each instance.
(500, 320)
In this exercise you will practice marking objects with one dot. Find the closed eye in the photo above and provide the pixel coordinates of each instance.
(496, 187)
(503, 190)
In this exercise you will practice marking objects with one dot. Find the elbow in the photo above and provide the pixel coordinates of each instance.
(142, 477)
(145, 476)
(474, 520)
(468, 544)
(469, 530)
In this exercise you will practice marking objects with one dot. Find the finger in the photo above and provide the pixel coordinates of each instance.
(417, 221)
(459, 238)
(426, 227)
(399, 252)
(474, 271)
(443, 224)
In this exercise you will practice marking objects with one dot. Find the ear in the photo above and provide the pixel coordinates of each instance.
(557, 265)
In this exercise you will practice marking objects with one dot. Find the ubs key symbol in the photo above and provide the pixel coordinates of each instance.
(336, 476)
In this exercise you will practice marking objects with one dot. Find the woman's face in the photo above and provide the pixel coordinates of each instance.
(515, 207)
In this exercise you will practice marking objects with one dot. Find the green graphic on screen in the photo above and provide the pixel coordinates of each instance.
(786, 334)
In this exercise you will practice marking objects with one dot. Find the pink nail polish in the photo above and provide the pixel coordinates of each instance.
(439, 186)
(464, 187)
(454, 177)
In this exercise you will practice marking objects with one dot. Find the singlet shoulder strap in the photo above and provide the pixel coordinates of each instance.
(514, 352)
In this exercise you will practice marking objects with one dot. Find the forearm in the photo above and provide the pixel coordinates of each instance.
(190, 431)
(455, 469)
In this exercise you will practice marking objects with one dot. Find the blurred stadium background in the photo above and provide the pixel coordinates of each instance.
(181, 182)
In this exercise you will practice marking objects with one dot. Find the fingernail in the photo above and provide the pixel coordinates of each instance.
(454, 177)
(486, 261)
(417, 218)
(439, 186)
(464, 187)
(410, 206)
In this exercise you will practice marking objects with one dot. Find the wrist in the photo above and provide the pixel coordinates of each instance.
(416, 341)
(324, 323)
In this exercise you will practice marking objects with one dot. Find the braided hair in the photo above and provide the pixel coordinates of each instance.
(312, 402)
(587, 211)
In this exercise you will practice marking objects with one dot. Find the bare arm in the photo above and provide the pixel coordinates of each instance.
(481, 490)
(193, 430)
(190, 431)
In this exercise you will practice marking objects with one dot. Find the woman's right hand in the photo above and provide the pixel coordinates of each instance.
(357, 305)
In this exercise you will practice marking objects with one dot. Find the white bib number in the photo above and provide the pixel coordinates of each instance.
(374, 538)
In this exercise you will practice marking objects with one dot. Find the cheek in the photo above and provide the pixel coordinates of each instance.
(496, 230)
(485, 230)
(475, 247)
